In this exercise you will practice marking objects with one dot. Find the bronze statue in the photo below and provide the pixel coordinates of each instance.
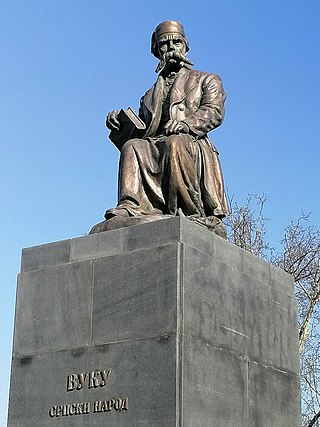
(168, 166)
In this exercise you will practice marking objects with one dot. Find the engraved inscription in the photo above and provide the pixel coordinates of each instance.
(70, 409)
(108, 405)
(92, 379)
(85, 407)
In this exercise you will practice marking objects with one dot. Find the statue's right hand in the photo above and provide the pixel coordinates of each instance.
(112, 121)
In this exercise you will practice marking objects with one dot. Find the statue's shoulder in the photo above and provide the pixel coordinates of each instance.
(203, 75)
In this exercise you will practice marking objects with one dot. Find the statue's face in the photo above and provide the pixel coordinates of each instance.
(173, 43)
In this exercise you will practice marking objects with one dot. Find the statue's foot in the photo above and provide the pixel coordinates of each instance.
(115, 221)
(111, 213)
(213, 223)
(99, 228)
(114, 218)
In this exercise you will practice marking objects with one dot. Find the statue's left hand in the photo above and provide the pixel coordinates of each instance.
(112, 121)
(175, 127)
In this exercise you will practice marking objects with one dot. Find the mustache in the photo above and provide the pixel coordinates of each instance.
(177, 57)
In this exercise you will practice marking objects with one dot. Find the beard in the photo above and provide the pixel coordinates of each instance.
(173, 60)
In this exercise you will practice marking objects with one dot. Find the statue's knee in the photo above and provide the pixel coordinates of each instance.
(174, 142)
(132, 143)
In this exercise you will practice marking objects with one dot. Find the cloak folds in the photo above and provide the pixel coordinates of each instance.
(176, 174)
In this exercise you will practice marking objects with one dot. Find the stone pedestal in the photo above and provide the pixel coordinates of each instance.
(161, 324)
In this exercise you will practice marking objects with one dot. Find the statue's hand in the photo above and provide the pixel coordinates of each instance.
(175, 127)
(112, 121)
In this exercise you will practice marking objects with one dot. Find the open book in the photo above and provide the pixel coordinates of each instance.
(131, 126)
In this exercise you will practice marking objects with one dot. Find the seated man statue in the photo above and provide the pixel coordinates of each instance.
(171, 168)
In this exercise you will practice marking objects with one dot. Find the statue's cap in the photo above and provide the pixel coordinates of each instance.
(167, 28)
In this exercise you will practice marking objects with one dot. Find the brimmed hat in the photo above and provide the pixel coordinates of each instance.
(167, 28)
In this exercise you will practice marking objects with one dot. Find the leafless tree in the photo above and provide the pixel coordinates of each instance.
(299, 255)
(246, 226)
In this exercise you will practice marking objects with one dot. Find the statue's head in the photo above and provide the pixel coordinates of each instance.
(169, 35)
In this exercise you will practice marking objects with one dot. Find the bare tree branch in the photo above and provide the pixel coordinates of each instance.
(300, 257)
(314, 419)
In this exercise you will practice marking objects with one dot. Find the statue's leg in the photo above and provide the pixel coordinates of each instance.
(139, 188)
(181, 175)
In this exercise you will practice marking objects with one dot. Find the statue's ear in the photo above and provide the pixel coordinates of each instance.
(154, 46)
(187, 45)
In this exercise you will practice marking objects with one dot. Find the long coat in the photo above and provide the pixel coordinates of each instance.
(180, 171)
(197, 98)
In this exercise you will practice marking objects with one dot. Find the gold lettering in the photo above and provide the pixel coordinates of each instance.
(118, 405)
(64, 411)
(104, 406)
(97, 406)
(93, 380)
(72, 382)
(53, 412)
(72, 409)
(81, 380)
(125, 404)
(105, 377)
(79, 408)
(86, 407)
(59, 410)
(110, 404)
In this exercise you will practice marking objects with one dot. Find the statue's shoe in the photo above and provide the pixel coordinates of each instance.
(111, 213)
(115, 221)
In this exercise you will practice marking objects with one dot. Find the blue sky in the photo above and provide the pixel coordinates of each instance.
(66, 63)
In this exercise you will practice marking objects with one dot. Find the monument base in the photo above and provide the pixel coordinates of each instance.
(159, 324)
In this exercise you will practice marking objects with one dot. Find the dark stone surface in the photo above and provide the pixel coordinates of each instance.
(44, 255)
(272, 396)
(214, 386)
(122, 222)
(53, 310)
(97, 245)
(153, 234)
(139, 304)
(230, 309)
(197, 332)
(143, 371)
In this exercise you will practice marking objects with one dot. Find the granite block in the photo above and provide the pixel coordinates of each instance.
(135, 294)
(227, 253)
(235, 311)
(199, 237)
(282, 281)
(273, 330)
(273, 397)
(196, 332)
(53, 310)
(142, 371)
(152, 234)
(214, 386)
(255, 268)
(214, 302)
(45, 255)
(97, 245)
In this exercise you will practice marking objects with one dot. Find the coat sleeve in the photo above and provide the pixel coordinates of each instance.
(210, 112)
